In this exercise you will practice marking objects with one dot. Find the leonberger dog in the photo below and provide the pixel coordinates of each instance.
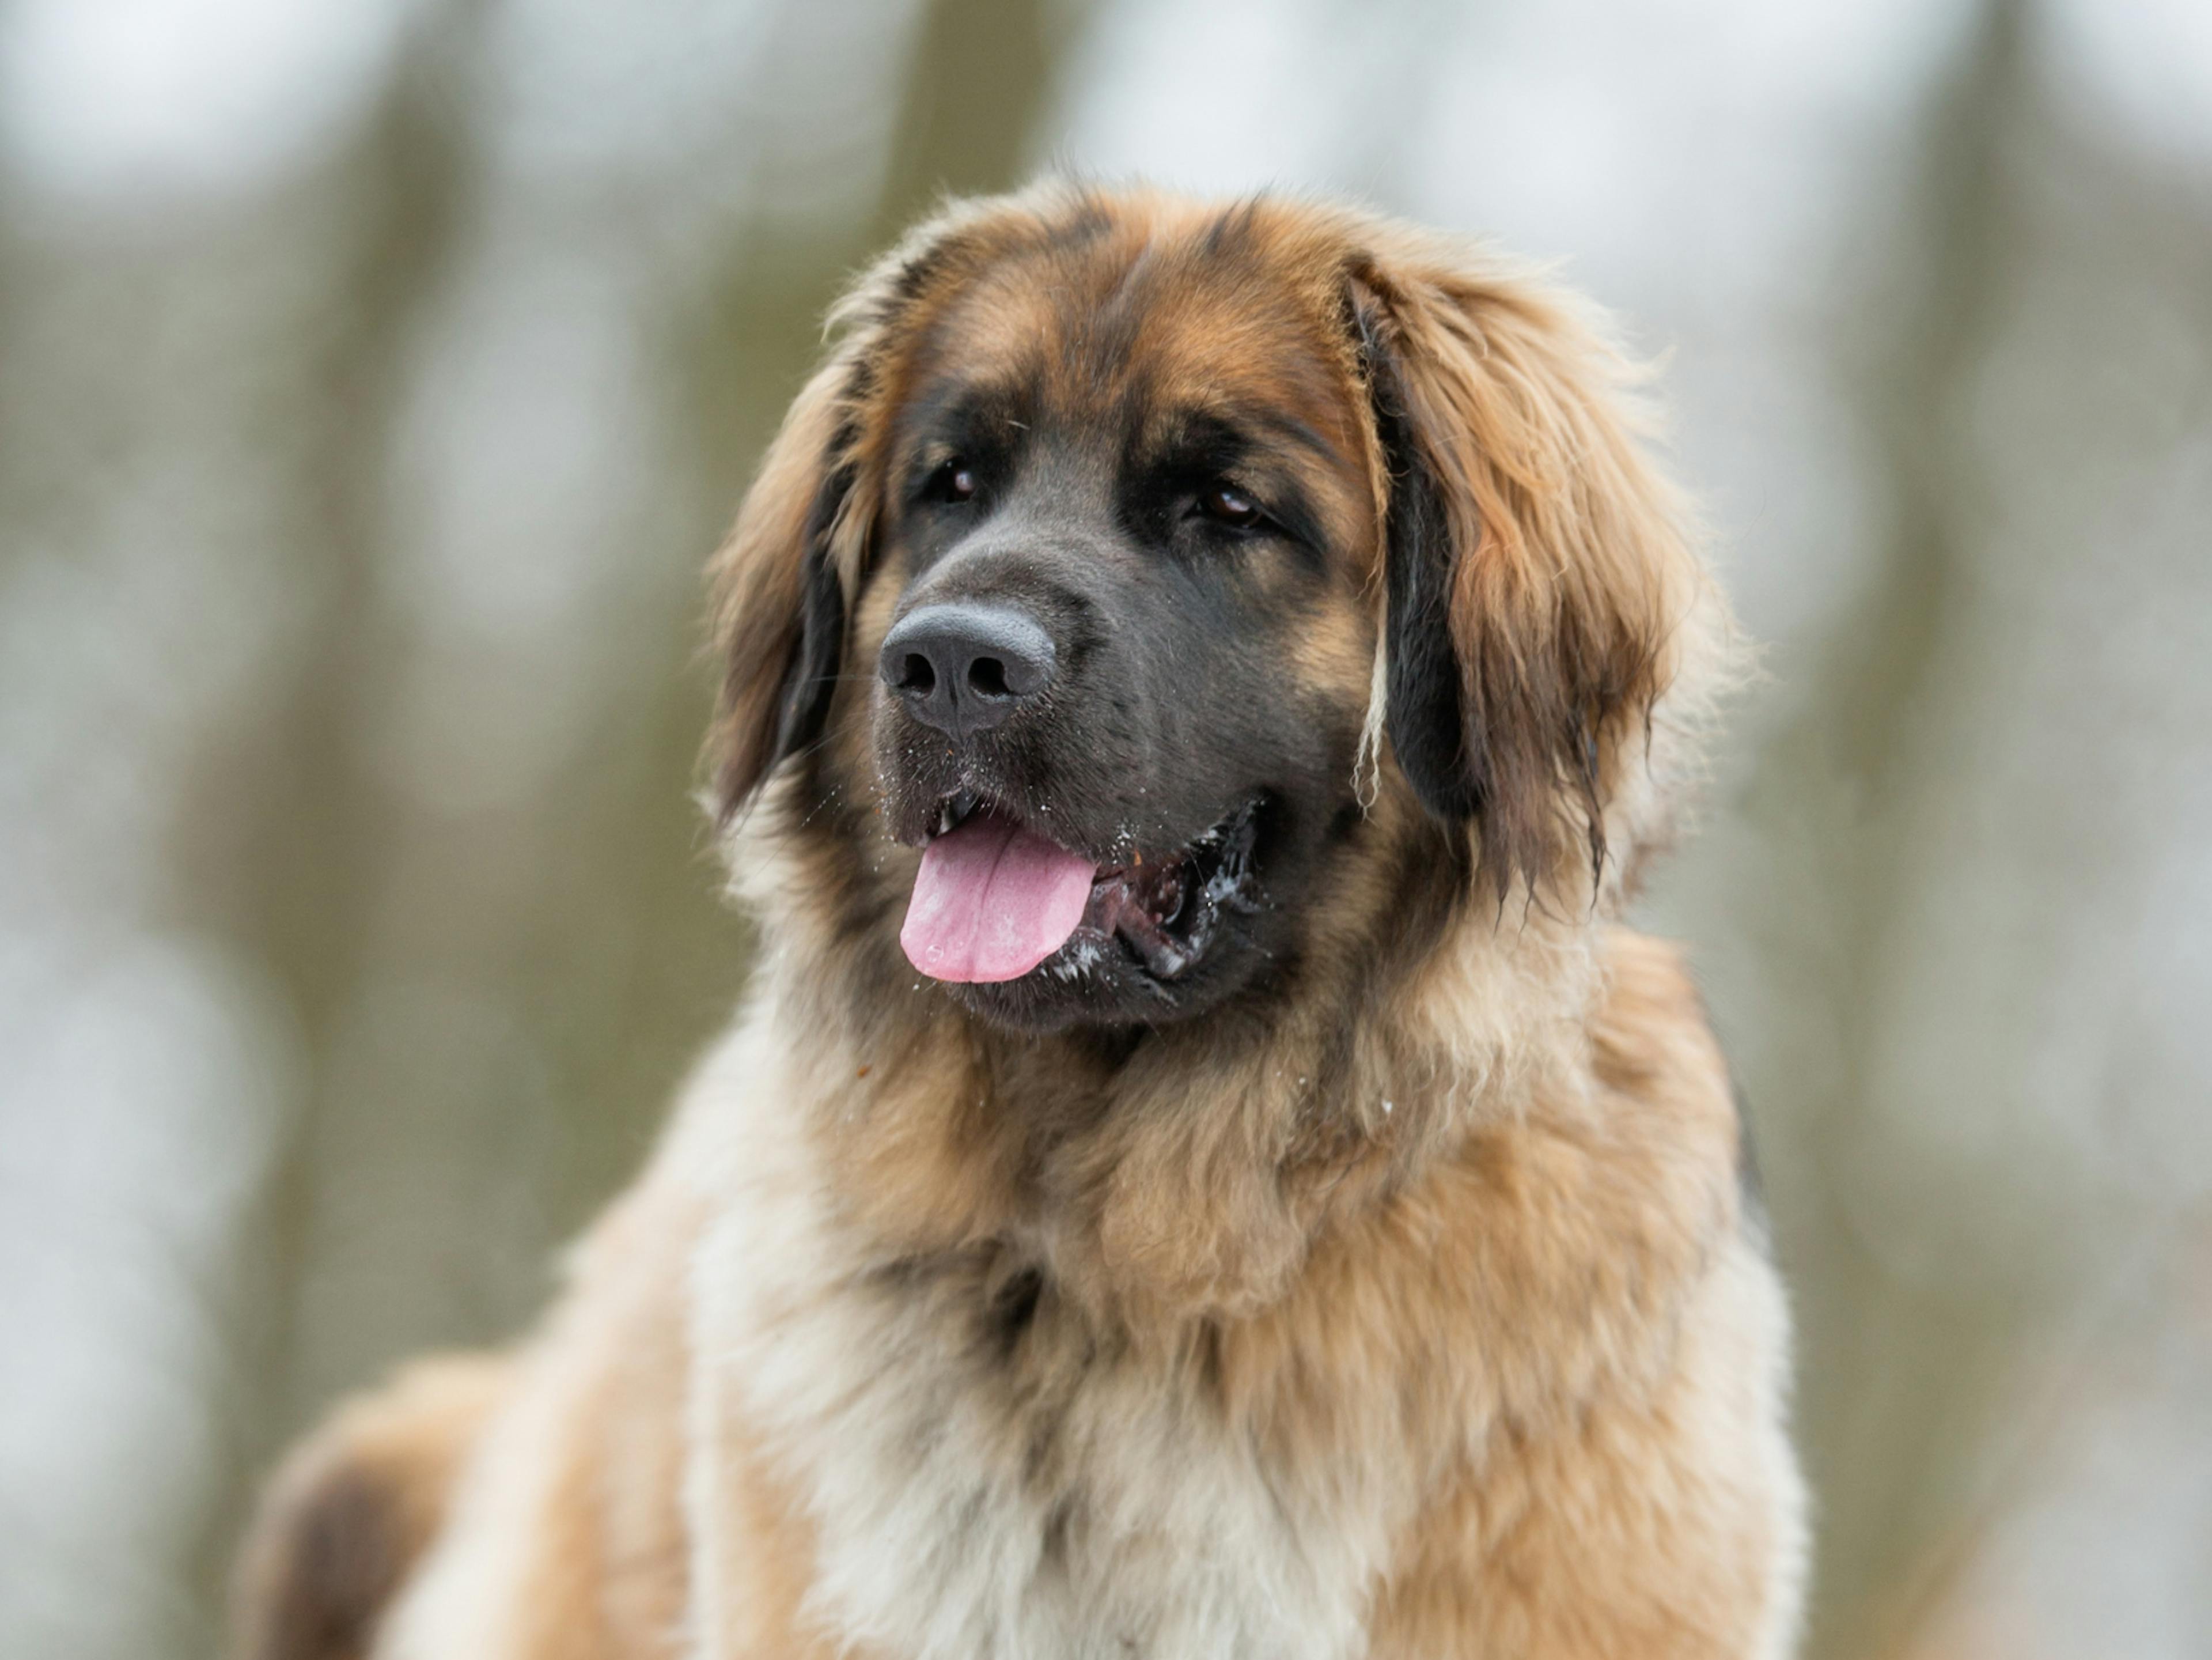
(1201, 1170)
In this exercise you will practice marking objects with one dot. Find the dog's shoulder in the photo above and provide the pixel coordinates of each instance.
(1650, 1029)
(1656, 1051)
(1655, 1055)
(564, 1536)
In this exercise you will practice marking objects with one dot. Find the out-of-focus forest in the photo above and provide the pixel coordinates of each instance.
(375, 374)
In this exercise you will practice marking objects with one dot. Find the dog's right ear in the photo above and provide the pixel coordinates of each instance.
(780, 584)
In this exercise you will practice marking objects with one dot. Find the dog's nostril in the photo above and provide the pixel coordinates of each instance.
(965, 667)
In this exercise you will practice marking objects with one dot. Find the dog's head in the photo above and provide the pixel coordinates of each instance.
(1189, 586)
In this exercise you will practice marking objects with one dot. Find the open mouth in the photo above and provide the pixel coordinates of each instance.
(995, 900)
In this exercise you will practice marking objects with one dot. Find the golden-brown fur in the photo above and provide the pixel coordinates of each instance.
(1415, 1313)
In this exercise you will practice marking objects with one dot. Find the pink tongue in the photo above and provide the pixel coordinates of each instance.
(992, 901)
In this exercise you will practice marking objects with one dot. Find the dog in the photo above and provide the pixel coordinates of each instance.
(1201, 1169)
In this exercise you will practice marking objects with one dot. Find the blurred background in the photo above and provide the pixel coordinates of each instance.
(375, 374)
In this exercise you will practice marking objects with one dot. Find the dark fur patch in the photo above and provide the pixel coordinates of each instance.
(341, 1555)
(813, 677)
(1013, 1306)
(782, 663)
(1425, 713)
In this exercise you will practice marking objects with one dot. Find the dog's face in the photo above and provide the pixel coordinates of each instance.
(1074, 570)
(1127, 526)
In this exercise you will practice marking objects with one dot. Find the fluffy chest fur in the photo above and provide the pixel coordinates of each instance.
(982, 1473)
(938, 1452)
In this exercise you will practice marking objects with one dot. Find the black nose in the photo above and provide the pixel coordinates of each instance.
(965, 667)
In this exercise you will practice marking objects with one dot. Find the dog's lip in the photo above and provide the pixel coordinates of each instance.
(1166, 911)
(957, 808)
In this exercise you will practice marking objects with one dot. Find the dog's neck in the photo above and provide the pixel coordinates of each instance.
(1182, 1173)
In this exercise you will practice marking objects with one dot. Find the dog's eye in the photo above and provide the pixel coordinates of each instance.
(953, 482)
(1227, 505)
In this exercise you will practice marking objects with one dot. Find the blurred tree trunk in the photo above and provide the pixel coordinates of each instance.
(284, 828)
(1892, 1448)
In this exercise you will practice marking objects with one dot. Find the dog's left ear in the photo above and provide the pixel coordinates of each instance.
(1536, 567)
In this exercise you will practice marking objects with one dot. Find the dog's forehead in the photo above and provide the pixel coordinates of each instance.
(1142, 321)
